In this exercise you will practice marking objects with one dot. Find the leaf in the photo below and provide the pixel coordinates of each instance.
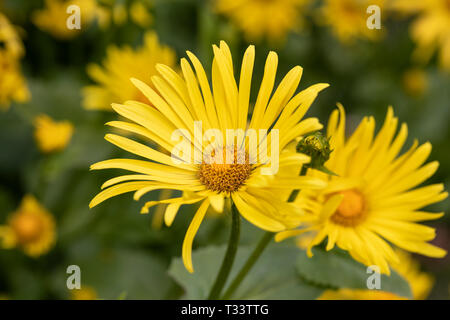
(338, 270)
(272, 277)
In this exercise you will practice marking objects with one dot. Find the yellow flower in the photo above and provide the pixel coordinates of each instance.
(113, 79)
(420, 282)
(12, 82)
(85, 293)
(53, 18)
(372, 199)
(140, 14)
(180, 103)
(51, 135)
(353, 294)
(415, 81)
(348, 18)
(258, 18)
(430, 28)
(9, 38)
(31, 227)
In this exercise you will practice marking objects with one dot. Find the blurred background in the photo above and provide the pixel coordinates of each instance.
(56, 86)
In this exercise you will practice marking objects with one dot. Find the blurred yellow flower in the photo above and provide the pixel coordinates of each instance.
(113, 78)
(12, 82)
(354, 294)
(420, 282)
(415, 81)
(259, 18)
(51, 135)
(31, 228)
(10, 41)
(372, 198)
(429, 29)
(139, 14)
(348, 18)
(85, 293)
(177, 103)
(53, 18)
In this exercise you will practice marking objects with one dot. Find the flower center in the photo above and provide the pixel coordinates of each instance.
(220, 175)
(27, 227)
(352, 209)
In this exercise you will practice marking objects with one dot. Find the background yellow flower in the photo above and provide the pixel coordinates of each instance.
(52, 135)
(31, 227)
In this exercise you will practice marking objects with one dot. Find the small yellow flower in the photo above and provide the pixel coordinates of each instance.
(85, 293)
(354, 294)
(113, 78)
(178, 103)
(31, 228)
(270, 18)
(415, 81)
(429, 29)
(374, 197)
(140, 14)
(51, 135)
(9, 39)
(53, 18)
(348, 18)
(12, 82)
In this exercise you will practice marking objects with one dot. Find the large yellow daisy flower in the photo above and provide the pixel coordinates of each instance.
(113, 79)
(180, 103)
(31, 227)
(258, 18)
(372, 199)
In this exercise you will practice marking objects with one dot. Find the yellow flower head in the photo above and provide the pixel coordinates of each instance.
(270, 18)
(11, 44)
(31, 228)
(373, 197)
(51, 135)
(430, 28)
(178, 105)
(354, 294)
(348, 18)
(85, 293)
(12, 82)
(53, 18)
(113, 79)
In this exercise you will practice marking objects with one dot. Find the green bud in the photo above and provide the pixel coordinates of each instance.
(317, 146)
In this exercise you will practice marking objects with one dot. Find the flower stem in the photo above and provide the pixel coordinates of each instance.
(228, 260)
(262, 244)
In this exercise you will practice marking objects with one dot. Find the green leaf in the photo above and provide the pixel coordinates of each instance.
(272, 277)
(337, 269)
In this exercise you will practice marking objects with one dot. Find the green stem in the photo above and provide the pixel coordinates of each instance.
(228, 260)
(262, 244)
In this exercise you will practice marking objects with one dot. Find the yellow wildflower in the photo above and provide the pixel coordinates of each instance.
(51, 135)
(31, 228)
(179, 103)
(113, 79)
(258, 18)
(372, 199)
